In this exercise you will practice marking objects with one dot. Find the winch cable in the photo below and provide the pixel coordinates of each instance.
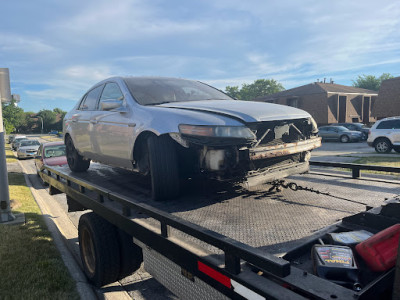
(278, 184)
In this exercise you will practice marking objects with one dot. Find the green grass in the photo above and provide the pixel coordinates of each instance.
(30, 264)
(379, 161)
(51, 138)
(10, 158)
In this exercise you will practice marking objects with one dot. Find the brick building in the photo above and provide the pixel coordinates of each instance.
(329, 102)
(388, 102)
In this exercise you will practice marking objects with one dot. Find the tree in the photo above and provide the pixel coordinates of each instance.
(14, 115)
(370, 82)
(48, 117)
(259, 88)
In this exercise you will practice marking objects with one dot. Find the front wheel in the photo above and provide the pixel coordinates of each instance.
(383, 146)
(76, 162)
(344, 139)
(163, 167)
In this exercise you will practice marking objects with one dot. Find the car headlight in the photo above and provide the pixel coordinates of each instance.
(314, 125)
(217, 131)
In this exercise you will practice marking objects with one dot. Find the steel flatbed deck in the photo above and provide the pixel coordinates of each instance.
(228, 228)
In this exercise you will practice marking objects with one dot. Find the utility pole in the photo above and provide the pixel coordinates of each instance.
(6, 215)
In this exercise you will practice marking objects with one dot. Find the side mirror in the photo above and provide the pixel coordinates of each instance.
(110, 104)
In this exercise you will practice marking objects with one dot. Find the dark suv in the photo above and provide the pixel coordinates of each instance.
(356, 127)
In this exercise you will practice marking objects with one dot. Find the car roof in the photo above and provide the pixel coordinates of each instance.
(59, 143)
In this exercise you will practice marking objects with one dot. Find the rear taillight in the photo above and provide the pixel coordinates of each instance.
(369, 132)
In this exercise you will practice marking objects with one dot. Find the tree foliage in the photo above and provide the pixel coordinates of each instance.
(16, 120)
(370, 82)
(259, 88)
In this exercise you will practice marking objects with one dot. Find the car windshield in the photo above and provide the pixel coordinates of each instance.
(29, 143)
(153, 91)
(54, 151)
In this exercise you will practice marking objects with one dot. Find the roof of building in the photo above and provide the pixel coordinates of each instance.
(317, 88)
(388, 102)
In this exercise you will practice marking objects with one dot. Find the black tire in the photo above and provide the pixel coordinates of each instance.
(131, 255)
(383, 145)
(163, 167)
(344, 139)
(76, 162)
(99, 249)
(397, 149)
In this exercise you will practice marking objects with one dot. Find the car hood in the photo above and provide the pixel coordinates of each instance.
(246, 111)
(28, 147)
(55, 161)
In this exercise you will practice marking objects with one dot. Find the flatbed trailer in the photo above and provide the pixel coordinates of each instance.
(212, 243)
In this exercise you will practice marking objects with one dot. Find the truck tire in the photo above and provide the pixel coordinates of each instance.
(163, 167)
(76, 162)
(99, 249)
(131, 255)
(383, 145)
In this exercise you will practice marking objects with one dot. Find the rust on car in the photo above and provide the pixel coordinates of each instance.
(284, 149)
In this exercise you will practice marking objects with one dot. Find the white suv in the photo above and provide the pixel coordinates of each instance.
(385, 135)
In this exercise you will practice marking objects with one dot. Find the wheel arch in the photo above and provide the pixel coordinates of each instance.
(381, 138)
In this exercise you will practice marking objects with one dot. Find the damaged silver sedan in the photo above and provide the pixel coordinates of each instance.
(174, 129)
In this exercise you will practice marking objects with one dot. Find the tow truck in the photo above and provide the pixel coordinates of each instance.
(220, 242)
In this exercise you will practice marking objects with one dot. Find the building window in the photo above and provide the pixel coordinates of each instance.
(292, 102)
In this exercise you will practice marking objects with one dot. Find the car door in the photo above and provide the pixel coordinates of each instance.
(80, 121)
(113, 130)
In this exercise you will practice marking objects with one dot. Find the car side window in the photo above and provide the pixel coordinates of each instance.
(390, 124)
(90, 102)
(112, 92)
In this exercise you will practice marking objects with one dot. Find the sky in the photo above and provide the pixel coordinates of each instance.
(56, 50)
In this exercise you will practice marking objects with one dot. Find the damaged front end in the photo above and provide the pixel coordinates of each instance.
(256, 153)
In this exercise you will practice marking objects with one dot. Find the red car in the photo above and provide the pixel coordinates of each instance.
(50, 154)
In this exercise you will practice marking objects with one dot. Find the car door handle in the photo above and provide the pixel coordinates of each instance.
(131, 124)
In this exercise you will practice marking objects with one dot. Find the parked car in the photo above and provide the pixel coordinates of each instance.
(50, 154)
(53, 132)
(11, 138)
(339, 133)
(364, 129)
(385, 135)
(27, 148)
(174, 129)
(16, 141)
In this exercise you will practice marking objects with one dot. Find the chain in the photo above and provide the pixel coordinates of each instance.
(279, 184)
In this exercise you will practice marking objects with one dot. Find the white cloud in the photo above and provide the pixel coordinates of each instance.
(15, 43)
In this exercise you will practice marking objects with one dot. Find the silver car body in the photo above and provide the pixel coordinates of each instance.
(111, 136)
(28, 149)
